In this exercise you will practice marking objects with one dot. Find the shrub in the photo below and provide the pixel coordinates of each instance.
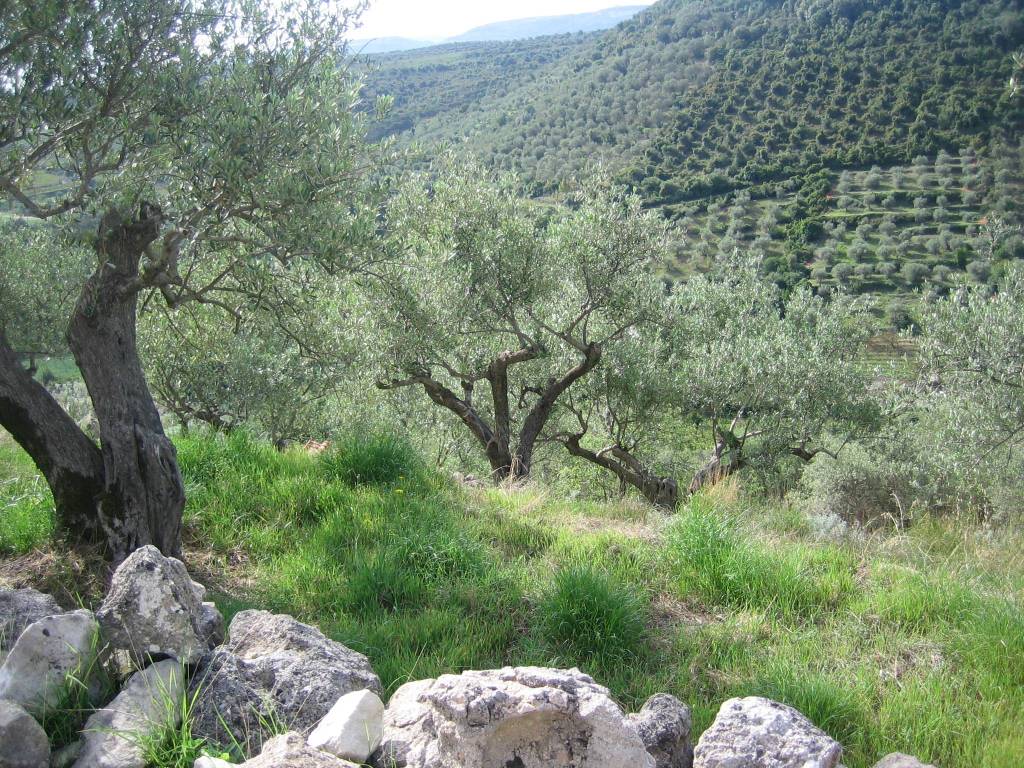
(980, 271)
(885, 268)
(842, 272)
(587, 616)
(862, 486)
(914, 273)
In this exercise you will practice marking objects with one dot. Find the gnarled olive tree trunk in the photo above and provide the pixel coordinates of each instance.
(510, 455)
(660, 491)
(129, 491)
(722, 462)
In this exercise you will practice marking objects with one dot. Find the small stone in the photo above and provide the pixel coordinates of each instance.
(211, 625)
(34, 673)
(212, 762)
(23, 743)
(291, 751)
(149, 702)
(760, 733)
(353, 728)
(665, 726)
(153, 610)
(18, 609)
(899, 760)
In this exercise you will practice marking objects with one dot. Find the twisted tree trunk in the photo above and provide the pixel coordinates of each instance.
(660, 491)
(128, 492)
(720, 464)
(143, 494)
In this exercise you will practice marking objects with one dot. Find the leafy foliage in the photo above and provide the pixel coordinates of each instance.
(486, 288)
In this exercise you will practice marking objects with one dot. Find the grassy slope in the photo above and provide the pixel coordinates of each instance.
(912, 643)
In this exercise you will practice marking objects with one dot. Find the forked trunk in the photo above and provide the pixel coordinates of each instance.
(143, 494)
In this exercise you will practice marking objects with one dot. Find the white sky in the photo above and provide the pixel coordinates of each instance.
(435, 19)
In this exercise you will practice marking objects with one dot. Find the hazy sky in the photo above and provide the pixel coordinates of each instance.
(429, 19)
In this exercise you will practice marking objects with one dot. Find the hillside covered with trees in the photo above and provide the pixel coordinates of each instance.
(698, 98)
(737, 417)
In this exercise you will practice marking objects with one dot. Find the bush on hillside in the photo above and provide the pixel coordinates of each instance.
(864, 485)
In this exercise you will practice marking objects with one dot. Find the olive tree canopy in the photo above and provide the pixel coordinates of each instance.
(207, 146)
(498, 307)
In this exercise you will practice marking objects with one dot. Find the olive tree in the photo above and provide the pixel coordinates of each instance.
(764, 375)
(972, 349)
(277, 373)
(497, 308)
(206, 144)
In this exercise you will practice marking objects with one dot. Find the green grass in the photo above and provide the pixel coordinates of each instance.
(26, 505)
(910, 643)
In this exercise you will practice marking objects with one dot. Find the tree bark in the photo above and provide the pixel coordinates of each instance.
(143, 494)
(660, 491)
(538, 416)
(68, 460)
(722, 463)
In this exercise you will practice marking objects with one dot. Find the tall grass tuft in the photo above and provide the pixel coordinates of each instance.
(712, 558)
(585, 616)
(371, 460)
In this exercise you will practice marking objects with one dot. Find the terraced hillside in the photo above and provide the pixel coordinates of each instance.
(896, 230)
(698, 98)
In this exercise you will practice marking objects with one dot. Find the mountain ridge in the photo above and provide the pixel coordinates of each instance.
(508, 30)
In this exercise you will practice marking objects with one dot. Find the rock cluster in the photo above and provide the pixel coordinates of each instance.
(273, 673)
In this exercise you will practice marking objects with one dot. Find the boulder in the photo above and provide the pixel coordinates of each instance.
(154, 610)
(18, 609)
(665, 727)
(149, 702)
(33, 674)
(759, 733)
(353, 728)
(899, 760)
(527, 717)
(291, 751)
(273, 669)
(23, 743)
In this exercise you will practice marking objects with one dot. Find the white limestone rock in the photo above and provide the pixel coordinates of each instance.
(353, 728)
(755, 732)
(34, 673)
(665, 725)
(149, 702)
(23, 743)
(529, 717)
(18, 609)
(273, 668)
(291, 751)
(153, 610)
